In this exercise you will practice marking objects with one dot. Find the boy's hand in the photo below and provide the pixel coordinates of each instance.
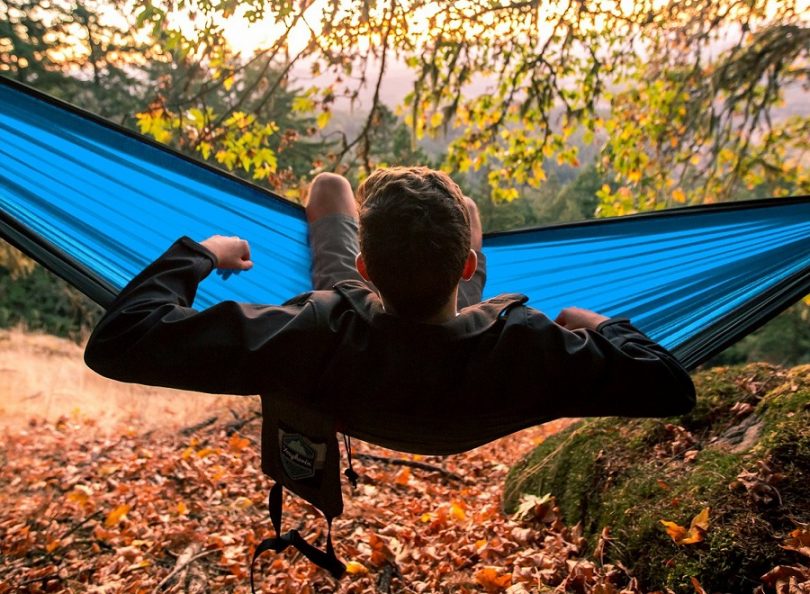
(231, 253)
(574, 318)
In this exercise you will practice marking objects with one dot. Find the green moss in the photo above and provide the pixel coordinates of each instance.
(629, 476)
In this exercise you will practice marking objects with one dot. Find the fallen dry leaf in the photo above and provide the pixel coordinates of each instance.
(491, 580)
(356, 568)
(799, 541)
(116, 515)
(696, 532)
(786, 579)
(696, 585)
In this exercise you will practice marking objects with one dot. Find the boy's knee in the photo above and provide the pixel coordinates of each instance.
(330, 193)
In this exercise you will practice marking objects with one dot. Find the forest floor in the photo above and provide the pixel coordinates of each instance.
(112, 488)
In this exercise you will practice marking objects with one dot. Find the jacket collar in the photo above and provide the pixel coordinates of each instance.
(471, 321)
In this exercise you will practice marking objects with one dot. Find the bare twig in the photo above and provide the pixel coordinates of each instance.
(412, 464)
(236, 425)
(201, 425)
(182, 563)
(80, 524)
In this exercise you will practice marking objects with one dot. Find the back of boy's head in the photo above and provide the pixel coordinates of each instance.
(414, 236)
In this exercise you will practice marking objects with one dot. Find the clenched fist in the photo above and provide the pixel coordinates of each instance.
(232, 253)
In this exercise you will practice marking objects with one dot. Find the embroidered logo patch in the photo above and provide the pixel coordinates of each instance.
(298, 455)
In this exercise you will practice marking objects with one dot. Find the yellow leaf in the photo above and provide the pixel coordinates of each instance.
(80, 494)
(675, 531)
(489, 578)
(182, 508)
(205, 149)
(228, 83)
(323, 118)
(695, 534)
(242, 502)
(206, 452)
(116, 515)
(237, 444)
(53, 545)
(436, 119)
(144, 122)
(538, 172)
(679, 196)
(355, 568)
(301, 104)
(457, 511)
(701, 520)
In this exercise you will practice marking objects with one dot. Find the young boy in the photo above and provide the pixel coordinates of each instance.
(422, 366)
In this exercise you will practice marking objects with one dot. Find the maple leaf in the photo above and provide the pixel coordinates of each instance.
(695, 533)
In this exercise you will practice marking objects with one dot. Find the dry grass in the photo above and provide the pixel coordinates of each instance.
(44, 378)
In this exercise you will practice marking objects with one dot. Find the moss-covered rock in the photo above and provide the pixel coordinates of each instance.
(744, 452)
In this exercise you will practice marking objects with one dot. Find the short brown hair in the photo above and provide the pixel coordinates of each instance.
(415, 237)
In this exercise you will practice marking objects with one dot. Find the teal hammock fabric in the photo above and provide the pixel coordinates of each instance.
(95, 203)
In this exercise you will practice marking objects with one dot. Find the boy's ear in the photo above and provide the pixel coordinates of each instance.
(360, 264)
(470, 266)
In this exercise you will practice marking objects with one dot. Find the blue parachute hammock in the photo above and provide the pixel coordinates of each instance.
(95, 203)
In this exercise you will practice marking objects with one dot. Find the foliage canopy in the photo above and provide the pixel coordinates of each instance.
(685, 100)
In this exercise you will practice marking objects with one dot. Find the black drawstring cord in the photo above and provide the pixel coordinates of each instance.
(349, 472)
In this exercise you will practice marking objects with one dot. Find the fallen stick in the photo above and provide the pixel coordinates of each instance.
(412, 464)
(80, 524)
(194, 428)
(186, 558)
(236, 425)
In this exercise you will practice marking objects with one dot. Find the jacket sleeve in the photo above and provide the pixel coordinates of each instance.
(152, 335)
(615, 370)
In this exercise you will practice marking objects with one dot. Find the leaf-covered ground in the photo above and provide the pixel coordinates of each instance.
(86, 510)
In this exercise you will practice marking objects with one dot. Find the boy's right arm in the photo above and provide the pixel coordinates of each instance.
(152, 335)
